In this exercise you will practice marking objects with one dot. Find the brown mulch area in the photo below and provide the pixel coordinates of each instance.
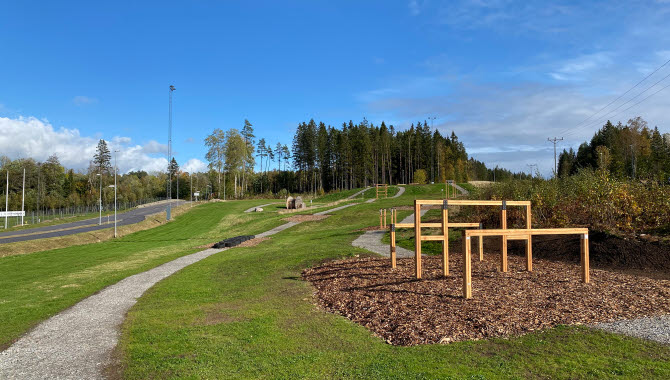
(305, 218)
(252, 242)
(404, 311)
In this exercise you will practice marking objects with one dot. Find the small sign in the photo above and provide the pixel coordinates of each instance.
(196, 194)
(12, 213)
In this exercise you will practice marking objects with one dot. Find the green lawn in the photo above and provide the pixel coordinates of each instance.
(246, 313)
(35, 286)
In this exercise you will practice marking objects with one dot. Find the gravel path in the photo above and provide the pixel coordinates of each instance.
(462, 190)
(352, 196)
(78, 342)
(372, 241)
(654, 328)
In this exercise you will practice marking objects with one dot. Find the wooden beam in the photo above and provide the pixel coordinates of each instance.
(445, 241)
(467, 269)
(468, 202)
(393, 246)
(534, 232)
(437, 225)
(503, 245)
(417, 238)
(529, 241)
(585, 258)
(432, 238)
(404, 225)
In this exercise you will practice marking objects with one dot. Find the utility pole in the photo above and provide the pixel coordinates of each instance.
(432, 150)
(191, 175)
(531, 169)
(632, 158)
(172, 88)
(555, 140)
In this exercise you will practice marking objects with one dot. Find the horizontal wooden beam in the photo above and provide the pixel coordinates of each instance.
(518, 237)
(436, 225)
(432, 238)
(523, 231)
(468, 202)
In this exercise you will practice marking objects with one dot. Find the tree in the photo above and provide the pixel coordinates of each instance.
(102, 158)
(248, 135)
(216, 154)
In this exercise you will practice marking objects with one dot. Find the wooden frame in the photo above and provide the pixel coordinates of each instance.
(523, 234)
(381, 189)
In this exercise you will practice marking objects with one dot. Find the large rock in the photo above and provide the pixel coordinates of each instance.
(290, 203)
(298, 204)
(258, 209)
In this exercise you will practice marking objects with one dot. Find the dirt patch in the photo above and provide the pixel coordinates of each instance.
(372, 228)
(404, 311)
(253, 242)
(305, 218)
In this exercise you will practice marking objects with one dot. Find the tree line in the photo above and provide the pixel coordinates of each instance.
(631, 150)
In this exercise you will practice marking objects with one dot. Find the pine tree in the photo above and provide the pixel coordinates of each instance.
(102, 158)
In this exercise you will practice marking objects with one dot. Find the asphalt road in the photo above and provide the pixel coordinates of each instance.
(129, 217)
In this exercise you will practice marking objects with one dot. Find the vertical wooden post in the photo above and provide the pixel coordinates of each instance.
(381, 224)
(503, 246)
(445, 242)
(467, 275)
(393, 249)
(585, 258)
(529, 242)
(481, 244)
(384, 218)
(417, 237)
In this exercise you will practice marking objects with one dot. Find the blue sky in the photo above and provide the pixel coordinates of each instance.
(504, 75)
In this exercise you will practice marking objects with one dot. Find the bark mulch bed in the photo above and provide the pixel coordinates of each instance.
(404, 311)
(305, 218)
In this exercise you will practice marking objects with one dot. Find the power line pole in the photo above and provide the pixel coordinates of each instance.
(530, 166)
(7, 201)
(172, 88)
(555, 140)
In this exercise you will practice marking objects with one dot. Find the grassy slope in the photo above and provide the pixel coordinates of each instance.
(38, 285)
(246, 313)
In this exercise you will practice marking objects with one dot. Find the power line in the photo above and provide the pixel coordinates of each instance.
(610, 115)
(619, 97)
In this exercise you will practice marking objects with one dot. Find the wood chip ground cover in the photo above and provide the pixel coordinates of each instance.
(404, 311)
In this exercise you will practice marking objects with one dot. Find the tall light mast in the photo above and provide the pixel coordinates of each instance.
(169, 190)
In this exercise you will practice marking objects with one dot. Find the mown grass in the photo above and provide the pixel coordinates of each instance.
(246, 313)
(35, 286)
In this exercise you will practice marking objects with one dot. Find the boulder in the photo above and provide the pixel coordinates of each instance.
(258, 209)
(298, 203)
(290, 203)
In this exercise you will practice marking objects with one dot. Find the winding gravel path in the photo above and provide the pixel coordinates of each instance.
(77, 343)
(462, 190)
(654, 328)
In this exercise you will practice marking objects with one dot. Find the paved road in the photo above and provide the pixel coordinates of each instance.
(130, 217)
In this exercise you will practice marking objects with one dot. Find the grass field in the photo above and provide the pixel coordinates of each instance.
(246, 313)
(37, 285)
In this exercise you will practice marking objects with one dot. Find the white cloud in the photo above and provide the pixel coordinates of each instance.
(30, 137)
(194, 166)
(414, 8)
(81, 100)
(578, 68)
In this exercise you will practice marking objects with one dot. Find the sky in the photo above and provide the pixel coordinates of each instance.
(503, 75)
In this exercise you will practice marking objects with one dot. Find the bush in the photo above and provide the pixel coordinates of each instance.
(593, 199)
(420, 177)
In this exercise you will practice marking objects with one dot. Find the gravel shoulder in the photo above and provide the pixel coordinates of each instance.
(653, 328)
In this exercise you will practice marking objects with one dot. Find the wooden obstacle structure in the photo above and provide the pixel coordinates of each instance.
(448, 189)
(382, 189)
(505, 234)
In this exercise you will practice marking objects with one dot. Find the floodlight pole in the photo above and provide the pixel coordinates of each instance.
(23, 196)
(100, 199)
(7, 201)
(191, 175)
(116, 168)
(172, 88)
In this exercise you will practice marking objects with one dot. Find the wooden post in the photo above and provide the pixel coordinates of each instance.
(481, 244)
(529, 242)
(384, 218)
(417, 237)
(381, 224)
(445, 242)
(393, 249)
(467, 275)
(585, 258)
(503, 246)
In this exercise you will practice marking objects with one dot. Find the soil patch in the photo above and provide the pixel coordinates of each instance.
(253, 242)
(305, 218)
(404, 311)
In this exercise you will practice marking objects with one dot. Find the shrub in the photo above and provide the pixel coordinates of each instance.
(420, 177)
